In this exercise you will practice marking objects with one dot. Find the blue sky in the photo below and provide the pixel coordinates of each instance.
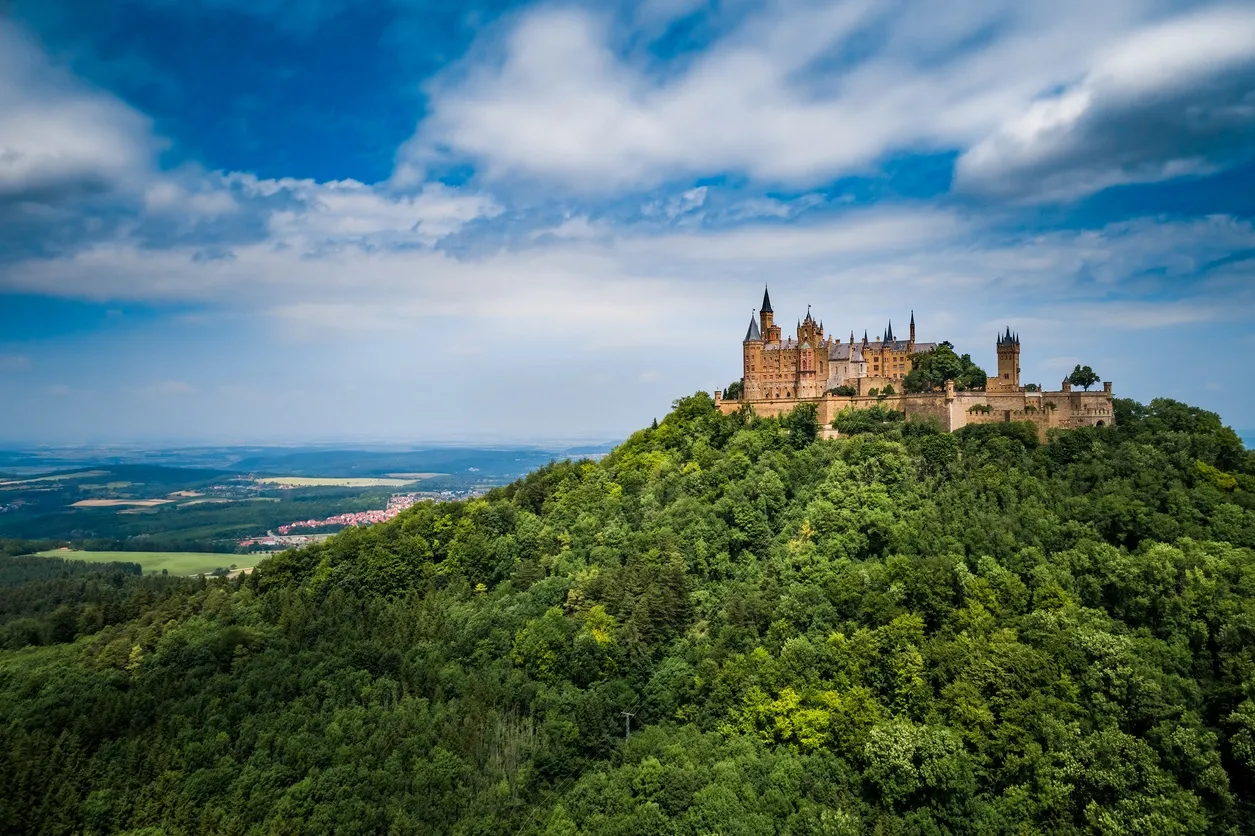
(258, 221)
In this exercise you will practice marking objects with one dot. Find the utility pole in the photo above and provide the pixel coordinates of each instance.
(627, 720)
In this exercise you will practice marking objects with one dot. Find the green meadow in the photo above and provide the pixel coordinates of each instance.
(176, 563)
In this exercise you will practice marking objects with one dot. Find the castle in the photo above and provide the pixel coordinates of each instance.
(778, 373)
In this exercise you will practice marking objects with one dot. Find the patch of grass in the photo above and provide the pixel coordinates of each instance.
(176, 563)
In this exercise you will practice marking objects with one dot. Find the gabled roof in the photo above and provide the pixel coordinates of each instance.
(753, 333)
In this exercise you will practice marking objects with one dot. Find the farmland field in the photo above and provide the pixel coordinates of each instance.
(176, 563)
(331, 482)
(113, 503)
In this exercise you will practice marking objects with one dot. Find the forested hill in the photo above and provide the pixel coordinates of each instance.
(897, 632)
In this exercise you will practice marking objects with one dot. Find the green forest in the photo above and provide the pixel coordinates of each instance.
(898, 631)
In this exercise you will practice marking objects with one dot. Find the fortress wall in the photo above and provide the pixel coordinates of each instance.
(1071, 409)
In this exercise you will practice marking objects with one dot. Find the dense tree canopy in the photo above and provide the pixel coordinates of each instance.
(897, 631)
(931, 369)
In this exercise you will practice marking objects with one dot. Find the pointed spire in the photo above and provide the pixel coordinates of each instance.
(766, 308)
(889, 332)
(753, 333)
(912, 319)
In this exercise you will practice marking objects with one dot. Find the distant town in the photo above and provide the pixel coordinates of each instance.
(286, 536)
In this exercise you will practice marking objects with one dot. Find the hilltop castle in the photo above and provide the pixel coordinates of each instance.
(777, 373)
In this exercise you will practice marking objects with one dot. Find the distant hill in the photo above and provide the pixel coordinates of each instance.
(723, 626)
(510, 462)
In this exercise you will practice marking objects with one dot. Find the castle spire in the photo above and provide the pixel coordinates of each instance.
(753, 332)
(912, 335)
(766, 308)
(889, 332)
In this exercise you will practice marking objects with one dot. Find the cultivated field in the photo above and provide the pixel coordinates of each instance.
(330, 482)
(112, 503)
(176, 563)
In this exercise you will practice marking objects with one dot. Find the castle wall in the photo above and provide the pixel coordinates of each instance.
(954, 410)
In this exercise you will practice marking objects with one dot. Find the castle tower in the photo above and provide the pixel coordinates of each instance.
(912, 337)
(766, 316)
(1008, 379)
(751, 355)
(807, 379)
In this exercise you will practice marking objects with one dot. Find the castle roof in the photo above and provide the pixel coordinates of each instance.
(1008, 338)
(766, 308)
(752, 333)
(900, 345)
(844, 351)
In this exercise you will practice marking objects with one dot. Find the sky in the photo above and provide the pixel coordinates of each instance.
(239, 221)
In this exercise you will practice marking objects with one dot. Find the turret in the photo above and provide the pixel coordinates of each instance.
(1008, 379)
(753, 334)
(912, 328)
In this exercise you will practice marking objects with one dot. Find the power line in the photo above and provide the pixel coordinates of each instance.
(627, 719)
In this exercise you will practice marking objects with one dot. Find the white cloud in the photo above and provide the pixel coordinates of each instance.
(1175, 98)
(79, 166)
(796, 94)
(57, 135)
(347, 210)
(682, 204)
(636, 288)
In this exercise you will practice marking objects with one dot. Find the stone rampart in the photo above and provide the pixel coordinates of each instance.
(954, 410)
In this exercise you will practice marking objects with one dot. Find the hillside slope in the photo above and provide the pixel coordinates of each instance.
(898, 632)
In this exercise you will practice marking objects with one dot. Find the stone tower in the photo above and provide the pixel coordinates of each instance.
(769, 330)
(1008, 379)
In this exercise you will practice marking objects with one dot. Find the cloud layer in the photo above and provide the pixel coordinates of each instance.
(589, 214)
(799, 93)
